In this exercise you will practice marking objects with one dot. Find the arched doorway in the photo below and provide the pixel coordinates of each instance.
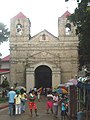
(43, 77)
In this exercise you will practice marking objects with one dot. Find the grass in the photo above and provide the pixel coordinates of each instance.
(3, 100)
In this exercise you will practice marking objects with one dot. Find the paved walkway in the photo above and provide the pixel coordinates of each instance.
(3, 105)
(26, 116)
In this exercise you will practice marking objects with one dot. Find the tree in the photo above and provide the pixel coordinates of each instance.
(81, 18)
(4, 33)
(5, 83)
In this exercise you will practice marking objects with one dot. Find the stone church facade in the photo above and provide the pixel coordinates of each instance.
(44, 59)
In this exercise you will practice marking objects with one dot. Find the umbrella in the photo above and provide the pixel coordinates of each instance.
(68, 84)
(61, 91)
(20, 87)
(61, 86)
(74, 81)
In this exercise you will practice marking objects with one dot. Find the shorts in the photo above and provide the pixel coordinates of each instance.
(32, 105)
(63, 113)
(49, 105)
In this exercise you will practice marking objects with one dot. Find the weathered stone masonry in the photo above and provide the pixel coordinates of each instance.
(60, 53)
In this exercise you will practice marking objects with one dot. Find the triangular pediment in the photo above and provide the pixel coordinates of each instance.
(44, 36)
(43, 54)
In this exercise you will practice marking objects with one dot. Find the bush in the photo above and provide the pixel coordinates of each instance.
(2, 100)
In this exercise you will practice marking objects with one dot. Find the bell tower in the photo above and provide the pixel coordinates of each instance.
(69, 47)
(65, 28)
(19, 39)
(20, 26)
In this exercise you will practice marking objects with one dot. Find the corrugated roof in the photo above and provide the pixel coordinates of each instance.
(7, 58)
(19, 15)
(4, 71)
(66, 14)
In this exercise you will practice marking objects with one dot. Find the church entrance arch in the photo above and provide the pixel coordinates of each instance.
(43, 76)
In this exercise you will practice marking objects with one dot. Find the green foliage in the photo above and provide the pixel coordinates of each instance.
(81, 18)
(5, 83)
(3, 100)
(4, 33)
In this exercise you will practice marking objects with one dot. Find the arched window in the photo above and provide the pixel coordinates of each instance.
(68, 29)
(43, 37)
(19, 28)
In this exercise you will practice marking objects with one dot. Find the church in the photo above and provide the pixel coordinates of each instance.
(42, 60)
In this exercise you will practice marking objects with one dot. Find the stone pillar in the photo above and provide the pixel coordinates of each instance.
(30, 82)
(56, 78)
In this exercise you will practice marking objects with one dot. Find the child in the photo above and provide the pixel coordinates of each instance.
(32, 104)
(63, 110)
(17, 99)
(49, 104)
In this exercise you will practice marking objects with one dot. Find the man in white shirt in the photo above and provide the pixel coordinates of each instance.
(55, 104)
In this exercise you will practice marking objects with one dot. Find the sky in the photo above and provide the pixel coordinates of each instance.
(43, 14)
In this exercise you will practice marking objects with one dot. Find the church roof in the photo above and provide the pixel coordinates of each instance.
(45, 31)
(66, 14)
(4, 71)
(19, 15)
(7, 58)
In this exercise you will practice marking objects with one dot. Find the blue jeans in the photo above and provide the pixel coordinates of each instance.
(23, 101)
(11, 108)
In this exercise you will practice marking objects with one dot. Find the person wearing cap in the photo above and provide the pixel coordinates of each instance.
(11, 94)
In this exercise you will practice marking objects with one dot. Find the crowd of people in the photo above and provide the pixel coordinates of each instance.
(18, 98)
(54, 100)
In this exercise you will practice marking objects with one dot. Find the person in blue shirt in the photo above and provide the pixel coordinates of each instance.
(11, 94)
(63, 110)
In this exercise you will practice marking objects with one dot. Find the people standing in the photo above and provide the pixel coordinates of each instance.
(63, 110)
(11, 94)
(17, 99)
(55, 104)
(35, 90)
(32, 104)
(49, 103)
(66, 105)
(66, 102)
(39, 91)
(23, 100)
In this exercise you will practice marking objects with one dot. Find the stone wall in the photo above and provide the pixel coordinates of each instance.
(59, 52)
